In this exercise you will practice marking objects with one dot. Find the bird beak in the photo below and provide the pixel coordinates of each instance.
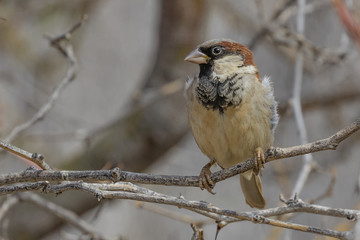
(197, 57)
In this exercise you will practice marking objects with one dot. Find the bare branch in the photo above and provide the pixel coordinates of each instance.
(258, 216)
(116, 174)
(198, 232)
(63, 213)
(67, 51)
(350, 22)
(36, 158)
(5, 207)
(66, 35)
(9, 202)
(174, 215)
(329, 143)
(282, 36)
(260, 11)
(329, 190)
(296, 103)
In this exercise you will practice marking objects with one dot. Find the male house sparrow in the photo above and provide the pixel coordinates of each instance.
(232, 112)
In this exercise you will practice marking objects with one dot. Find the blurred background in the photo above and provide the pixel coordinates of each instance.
(126, 106)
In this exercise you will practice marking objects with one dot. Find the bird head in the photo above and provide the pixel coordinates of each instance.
(225, 67)
(220, 57)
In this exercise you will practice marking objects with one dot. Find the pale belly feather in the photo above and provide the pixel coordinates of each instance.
(231, 137)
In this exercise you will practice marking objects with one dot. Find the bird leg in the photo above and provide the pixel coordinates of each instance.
(259, 159)
(205, 179)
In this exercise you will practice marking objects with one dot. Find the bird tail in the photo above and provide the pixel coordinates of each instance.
(252, 188)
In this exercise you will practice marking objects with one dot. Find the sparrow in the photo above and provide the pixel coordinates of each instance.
(232, 112)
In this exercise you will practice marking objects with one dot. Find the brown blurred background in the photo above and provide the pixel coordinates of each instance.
(118, 113)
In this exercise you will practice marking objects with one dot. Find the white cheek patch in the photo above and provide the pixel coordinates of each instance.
(247, 70)
(231, 64)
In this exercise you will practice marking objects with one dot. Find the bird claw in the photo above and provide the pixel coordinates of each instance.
(205, 181)
(259, 158)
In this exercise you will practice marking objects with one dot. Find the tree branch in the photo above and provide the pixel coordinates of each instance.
(67, 51)
(133, 192)
(47, 181)
(36, 158)
(116, 174)
(296, 100)
(63, 213)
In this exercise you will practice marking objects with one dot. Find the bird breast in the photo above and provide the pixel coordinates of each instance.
(218, 94)
(230, 136)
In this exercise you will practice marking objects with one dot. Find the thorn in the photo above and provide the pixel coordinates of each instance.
(282, 198)
(296, 197)
(181, 197)
(220, 225)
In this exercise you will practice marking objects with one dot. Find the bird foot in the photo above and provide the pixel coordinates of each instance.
(259, 158)
(205, 181)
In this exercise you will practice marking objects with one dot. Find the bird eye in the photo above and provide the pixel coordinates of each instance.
(216, 50)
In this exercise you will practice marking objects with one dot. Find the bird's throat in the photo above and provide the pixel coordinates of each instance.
(219, 95)
(221, 85)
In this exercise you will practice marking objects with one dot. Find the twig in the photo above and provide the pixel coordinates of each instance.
(4, 229)
(67, 51)
(116, 174)
(174, 215)
(260, 11)
(258, 216)
(347, 18)
(265, 29)
(63, 213)
(130, 191)
(296, 101)
(66, 215)
(9, 202)
(36, 158)
(283, 36)
(327, 193)
(329, 190)
(323, 101)
(283, 14)
(66, 35)
(292, 10)
(198, 232)
(357, 230)
(142, 100)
